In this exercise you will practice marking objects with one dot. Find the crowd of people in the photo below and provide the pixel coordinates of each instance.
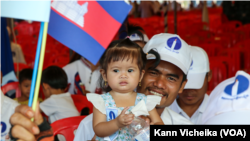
(163, 80)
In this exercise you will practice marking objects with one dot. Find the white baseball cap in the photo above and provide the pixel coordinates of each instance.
(229, 102)
(136, 37)
(171, 48)
(198, 69)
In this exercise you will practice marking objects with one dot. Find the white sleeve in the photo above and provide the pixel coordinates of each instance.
(97, 101)
(85, 130)
(47, 106)
(152, 101)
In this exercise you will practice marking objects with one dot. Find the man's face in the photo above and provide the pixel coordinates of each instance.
(165, 80)
(194, 96)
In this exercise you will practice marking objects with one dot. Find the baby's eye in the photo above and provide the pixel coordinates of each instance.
(116, 70)
(130, 70)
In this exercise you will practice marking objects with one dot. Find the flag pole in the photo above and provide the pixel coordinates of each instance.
(40, 68)
(38, 49)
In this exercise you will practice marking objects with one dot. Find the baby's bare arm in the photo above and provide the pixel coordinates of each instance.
(102, 128)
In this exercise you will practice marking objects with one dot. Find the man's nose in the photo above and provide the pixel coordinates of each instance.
(160, 82)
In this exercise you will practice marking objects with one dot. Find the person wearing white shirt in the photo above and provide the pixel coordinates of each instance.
(192, 102)
(164, 76)
(229, 102)
(57, 104)
(83, 77)
(7, 109)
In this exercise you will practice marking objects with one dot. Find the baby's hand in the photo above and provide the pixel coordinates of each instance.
(124, 119)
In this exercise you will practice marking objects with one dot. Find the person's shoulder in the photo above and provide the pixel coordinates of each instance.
(170, 117)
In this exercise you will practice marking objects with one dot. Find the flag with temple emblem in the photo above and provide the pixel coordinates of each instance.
(87, 27)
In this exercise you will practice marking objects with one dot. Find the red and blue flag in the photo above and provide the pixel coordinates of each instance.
(87, 27)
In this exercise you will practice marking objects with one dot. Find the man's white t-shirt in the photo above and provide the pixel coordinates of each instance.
(85, 129)
(59, 106)
(80, 69)
(7, 109)
(197, 116)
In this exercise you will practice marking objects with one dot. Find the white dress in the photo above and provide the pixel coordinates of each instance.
(106, 105)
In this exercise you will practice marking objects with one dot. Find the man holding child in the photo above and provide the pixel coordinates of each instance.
(165, 76)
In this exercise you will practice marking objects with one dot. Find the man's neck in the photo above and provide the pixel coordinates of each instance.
(187, 108)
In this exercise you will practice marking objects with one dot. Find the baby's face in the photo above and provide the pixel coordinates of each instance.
(123, 76)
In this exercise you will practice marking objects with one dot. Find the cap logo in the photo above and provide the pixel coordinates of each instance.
(173, 44)
(134, 35)
(4, 127)
(191, 66)
(235, 90)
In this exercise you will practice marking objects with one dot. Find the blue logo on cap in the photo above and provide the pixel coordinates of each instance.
(239, 86)
(191, 66)
(4, 127)
(174, 44)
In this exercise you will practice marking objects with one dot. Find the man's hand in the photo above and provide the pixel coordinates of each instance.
(23, 128)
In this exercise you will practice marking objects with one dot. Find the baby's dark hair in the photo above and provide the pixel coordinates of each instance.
(25, 74)
(121, 50)
(55, 77)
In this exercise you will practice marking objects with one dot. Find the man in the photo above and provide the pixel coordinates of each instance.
(229, 102)
(165, 75)
(192, 102)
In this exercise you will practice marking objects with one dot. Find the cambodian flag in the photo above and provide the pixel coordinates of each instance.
(87, 27)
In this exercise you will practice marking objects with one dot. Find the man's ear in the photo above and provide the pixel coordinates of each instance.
(142, 74)
(182, 86)
(209, 76)
(104, 75)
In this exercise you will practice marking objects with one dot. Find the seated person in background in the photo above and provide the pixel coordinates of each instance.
(57, 104)
(192, 102)
(25, 77)
(82, 76)
(229, 102)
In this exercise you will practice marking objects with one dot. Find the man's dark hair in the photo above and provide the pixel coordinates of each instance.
(55, 77)
(25, 74)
